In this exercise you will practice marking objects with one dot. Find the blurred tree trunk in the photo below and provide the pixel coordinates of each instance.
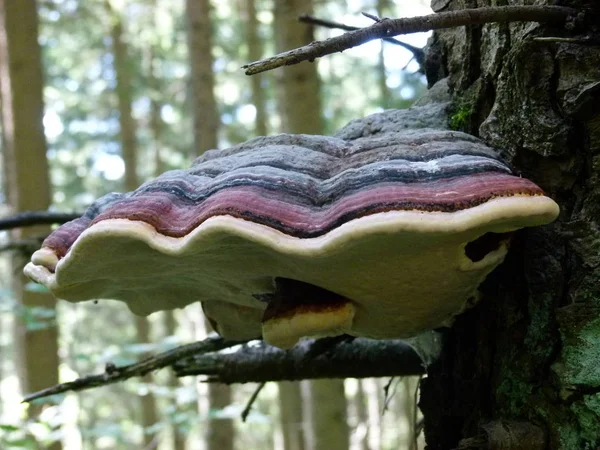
(328, 416)
(374, 392)
(410, 387)
(383, 10)
(254, 54)
(127, 125)
(362, 416)
(170, 330)
(156, 129)
(155, 122)
(290, 414)
(26, 171)
(299, 101)
(220, 433)
(202, 80)
(298, 87)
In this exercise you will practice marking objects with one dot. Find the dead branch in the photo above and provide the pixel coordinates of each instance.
(393, 27)
(114, 374)
(417, 52)
(30, 218)
(309, 359)
(26, 246)
(338, 357)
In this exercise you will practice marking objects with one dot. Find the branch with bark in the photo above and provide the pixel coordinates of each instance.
(31, 218)
(344, 357)
(114, 374)
(417, 52)
(339, 357)
(25, 246)
(386, 28)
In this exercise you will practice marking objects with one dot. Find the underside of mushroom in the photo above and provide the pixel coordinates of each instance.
(383, 233)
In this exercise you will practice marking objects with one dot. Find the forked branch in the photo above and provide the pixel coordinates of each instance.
(386, 28)
(114, 374)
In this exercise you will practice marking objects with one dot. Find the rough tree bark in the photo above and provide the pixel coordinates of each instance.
(28, 185)
(521, 370)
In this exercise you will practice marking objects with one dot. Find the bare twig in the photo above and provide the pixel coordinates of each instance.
(387, 397)
(114, 374)
(251, 401)
(29, 218)
(372, 17)
(417, 52)
(309, 359)
(393, 27)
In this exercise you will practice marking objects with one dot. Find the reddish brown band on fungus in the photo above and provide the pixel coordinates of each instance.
(176, 217)
(294, 297)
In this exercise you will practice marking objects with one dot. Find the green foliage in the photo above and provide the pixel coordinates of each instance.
(23, 436)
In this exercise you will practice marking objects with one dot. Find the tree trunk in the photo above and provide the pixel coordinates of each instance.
(156, 129)
(178, 436)
(202, 80)
(220, 433)
(123, 88)
(374, 391)
(329, 422)
(383, 10)
(362, 416)
(520, 370)
(254, 54)
(148, 406)
(26, 171)
(299, 100)
(405, 397)
(300, 108)
(149, 414)
(290, 414)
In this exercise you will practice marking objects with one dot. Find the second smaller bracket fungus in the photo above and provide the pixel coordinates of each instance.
(382, 233)
(298, 309)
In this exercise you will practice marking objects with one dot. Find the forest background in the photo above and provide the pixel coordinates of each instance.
(129, 89)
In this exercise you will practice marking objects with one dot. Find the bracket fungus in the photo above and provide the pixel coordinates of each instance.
(382, 233)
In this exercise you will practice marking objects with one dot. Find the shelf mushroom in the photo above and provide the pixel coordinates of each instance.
(382, 235)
